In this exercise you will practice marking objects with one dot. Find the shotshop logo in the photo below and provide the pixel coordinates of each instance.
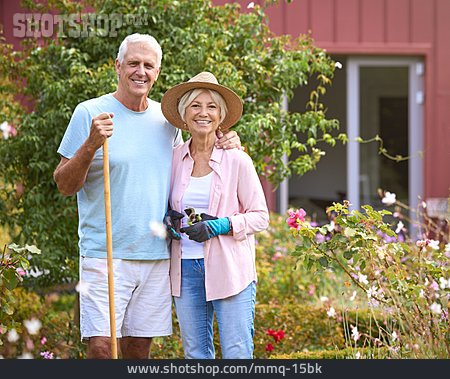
(74, 25)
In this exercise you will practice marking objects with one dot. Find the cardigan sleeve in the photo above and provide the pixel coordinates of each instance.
(253, 214)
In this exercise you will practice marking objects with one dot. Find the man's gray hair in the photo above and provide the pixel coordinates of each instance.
(141, 38)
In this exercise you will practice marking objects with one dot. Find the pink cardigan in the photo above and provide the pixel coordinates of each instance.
(236, 192)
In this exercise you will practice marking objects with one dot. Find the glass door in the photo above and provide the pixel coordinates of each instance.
(384, 98)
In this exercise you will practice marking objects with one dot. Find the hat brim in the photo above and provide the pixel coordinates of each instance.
(169, 103)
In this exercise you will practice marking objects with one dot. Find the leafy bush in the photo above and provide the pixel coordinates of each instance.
(43, 328)
(14, 262)
(407, 283)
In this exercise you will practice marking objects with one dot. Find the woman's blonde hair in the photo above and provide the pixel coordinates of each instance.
(189, 97)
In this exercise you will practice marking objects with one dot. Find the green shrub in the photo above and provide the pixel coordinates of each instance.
(57, 333)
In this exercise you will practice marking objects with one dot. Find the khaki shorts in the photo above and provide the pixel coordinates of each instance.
(142, 297)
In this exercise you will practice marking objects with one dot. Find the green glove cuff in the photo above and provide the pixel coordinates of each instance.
(219, 226)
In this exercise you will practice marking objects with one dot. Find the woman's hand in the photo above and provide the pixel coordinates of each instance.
(204, 230)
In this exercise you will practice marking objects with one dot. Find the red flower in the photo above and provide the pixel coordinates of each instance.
(277, 336)
(269, 347)
(296, 218)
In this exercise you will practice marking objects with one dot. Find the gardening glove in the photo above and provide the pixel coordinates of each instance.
(207, 217)
(204, 230)
(172, 221)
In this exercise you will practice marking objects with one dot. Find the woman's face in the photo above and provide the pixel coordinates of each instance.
(202, 115)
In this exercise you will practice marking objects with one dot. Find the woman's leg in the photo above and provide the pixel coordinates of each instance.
(194, 313)
(235, 318)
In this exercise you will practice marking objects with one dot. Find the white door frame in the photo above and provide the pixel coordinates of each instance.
(415, 124)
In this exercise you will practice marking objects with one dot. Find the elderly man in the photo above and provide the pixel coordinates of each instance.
(140, 153)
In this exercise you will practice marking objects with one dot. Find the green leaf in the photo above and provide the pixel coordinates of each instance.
(323, 261)
(348, 254)
(33, 249)
(10, 279)
(349, 232)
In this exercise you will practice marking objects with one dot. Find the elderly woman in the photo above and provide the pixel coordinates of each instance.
(213, 264)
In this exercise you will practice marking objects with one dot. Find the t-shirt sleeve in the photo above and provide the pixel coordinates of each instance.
(178, 139)
(76, 133)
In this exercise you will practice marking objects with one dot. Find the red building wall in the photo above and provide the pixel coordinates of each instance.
(387, 27)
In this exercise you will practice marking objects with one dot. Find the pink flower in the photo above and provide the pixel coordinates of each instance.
(21, 271)
(434, 286)
(295, 219)
(47, 355)
(7, 130)
(277, 256)
(43, 340)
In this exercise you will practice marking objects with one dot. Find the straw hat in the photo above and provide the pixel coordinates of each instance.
(169, 102)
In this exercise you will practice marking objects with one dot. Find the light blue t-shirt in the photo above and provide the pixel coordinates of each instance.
(140, 158)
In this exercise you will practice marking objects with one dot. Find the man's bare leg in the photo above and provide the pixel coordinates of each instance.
(135, 347)
(99, 348)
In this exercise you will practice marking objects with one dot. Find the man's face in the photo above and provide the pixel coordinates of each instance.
(138, 71)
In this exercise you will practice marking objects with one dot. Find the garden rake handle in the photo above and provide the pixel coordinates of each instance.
(112, 313)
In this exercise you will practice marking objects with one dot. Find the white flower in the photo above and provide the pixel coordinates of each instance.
(447, 248)
(338, 65)
(421, 293)
(436, 308)
(362, 278)
(331, 312)
(33, 326)
(424, 205)
(421, 243)
(400, 226)
(352, 298)
(355, 334)
(25, 356)
(434, 244)
(381, 252)
(4, 127)
(12, 336)
(251, 5)
(7, 130)
(389, 198)
(394, 336)
(323, 299)
(158, 230)
(372, 291)
(358, 355)
(330, 226)
(444, 283)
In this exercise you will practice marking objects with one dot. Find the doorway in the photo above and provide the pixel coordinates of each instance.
(370, 96)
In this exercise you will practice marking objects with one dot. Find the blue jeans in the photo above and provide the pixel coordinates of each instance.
(235, 315)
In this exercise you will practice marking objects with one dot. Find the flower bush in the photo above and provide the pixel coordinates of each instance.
(13, 265)
(32, 325)
(407, 282)
(352, 288)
